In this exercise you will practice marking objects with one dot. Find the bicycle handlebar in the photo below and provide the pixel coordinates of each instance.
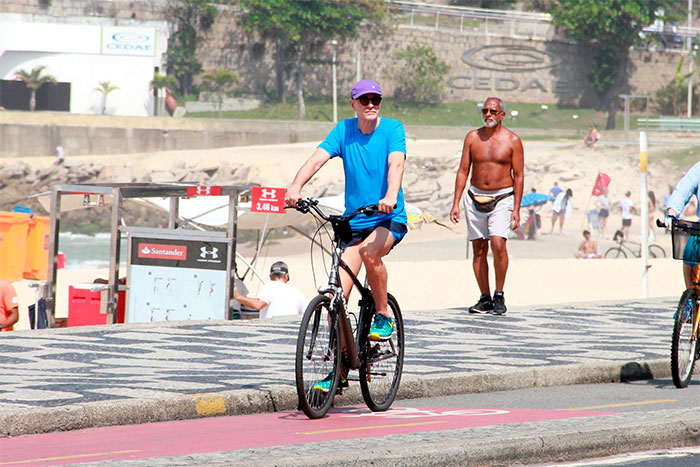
(305, 205)
(661, 224)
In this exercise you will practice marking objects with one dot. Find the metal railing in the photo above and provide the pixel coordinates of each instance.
(509, 23)
(669, 124)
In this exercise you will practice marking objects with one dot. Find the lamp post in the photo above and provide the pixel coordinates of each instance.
(334, 43)
(690, 60)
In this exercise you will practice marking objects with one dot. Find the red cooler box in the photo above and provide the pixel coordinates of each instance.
(84, 305)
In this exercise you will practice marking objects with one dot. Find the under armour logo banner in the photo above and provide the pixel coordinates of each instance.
(203, 190)
(267, 199)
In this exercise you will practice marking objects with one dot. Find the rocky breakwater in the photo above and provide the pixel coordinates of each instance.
(428, 184)
(19, 181)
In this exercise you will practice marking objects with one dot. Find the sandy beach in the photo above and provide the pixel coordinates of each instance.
(430, 269)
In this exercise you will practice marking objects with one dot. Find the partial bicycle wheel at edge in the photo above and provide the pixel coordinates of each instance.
(683, 345)
(656, 251)
(317, 357)
(615, 252)
(380, 370)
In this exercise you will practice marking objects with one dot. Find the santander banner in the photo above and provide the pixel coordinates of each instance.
(159, 251)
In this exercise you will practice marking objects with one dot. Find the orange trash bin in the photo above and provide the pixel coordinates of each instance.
(37, 261)
(13, 244)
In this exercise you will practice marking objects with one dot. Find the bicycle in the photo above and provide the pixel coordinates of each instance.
(328, 342)
(685, 351)
(620, 250)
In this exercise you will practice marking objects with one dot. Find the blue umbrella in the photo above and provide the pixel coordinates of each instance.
(534, 199)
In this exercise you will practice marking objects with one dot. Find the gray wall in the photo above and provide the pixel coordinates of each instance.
(548, 72)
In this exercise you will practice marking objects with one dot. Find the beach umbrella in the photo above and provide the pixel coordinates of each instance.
(534, 199)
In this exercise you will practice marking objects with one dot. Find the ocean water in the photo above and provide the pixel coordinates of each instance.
(88, 251)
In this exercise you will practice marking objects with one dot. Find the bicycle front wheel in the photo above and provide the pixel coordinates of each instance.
(684, 343)
(382, 363)
(317, 358)
(616, 253)
(655, 251)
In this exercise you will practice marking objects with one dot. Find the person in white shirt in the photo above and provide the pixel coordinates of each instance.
(627, 208)
(277, 297)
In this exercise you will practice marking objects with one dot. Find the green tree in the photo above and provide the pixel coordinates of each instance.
(672, 99)
(191, 19)
(299, 28)
(610, 27)
(220, 83)
(159, 82)
(34, 80)
(105, 88)
(423, 75)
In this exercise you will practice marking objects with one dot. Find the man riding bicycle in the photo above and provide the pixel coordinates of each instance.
(688, 186)
(373, 150)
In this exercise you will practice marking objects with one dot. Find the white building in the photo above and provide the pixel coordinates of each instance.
(85, 51)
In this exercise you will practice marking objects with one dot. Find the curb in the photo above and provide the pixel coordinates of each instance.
(283, 397)
(679, 429)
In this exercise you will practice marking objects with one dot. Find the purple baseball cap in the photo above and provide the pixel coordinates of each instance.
(365, 86)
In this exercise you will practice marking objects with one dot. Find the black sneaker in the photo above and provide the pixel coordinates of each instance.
(484, 305)
(499, 304)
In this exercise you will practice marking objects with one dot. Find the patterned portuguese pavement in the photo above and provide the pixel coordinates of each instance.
(64, 367)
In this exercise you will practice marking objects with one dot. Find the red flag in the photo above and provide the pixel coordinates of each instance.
(601, 183)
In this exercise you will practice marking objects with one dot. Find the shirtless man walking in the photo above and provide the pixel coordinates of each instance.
(496, 158)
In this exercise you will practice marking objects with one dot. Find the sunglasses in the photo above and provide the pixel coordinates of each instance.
(492, 111)
(364, 100)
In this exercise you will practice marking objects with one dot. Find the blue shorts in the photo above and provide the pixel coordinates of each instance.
(397, 229)
(691, 253)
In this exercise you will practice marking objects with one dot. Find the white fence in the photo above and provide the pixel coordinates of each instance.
(669, 124)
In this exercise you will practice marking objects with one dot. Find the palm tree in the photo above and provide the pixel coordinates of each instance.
(220, 83)
(33, 80)
(167, 82)
(105, 88)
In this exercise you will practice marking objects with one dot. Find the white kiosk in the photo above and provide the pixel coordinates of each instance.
(173, 273)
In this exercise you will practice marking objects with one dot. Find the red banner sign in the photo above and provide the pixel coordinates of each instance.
(159, 251)
(203, 190)
(267, 199)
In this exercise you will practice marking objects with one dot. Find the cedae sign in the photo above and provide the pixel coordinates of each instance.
(509, 61)
(120, 40)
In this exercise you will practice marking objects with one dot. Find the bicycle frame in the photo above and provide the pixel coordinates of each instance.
(350, 344)
(696, 286)
(338, 305)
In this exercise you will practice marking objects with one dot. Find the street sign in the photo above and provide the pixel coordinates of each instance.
(267, 199)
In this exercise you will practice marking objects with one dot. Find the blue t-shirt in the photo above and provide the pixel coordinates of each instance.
(366, 165)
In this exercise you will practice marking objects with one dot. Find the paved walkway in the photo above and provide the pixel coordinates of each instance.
(81, 377)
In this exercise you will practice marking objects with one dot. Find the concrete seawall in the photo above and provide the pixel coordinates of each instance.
(39, 134)
(24, 134)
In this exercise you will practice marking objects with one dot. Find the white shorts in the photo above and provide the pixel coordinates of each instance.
(489, 224)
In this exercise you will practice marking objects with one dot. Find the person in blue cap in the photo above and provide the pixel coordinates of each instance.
(373, 151)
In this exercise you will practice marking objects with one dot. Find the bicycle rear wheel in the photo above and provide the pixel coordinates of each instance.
(317, 357)
(382, 363)
(616, 253)
(684, 343)
(655, 251)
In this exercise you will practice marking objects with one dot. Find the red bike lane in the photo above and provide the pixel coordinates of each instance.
(217, 434)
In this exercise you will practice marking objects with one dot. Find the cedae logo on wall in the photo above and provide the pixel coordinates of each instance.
(128, 41)
(158, 251)
(509, 62)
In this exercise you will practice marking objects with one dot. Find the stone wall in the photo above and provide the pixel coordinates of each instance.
(536, 71)
(137, 9)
